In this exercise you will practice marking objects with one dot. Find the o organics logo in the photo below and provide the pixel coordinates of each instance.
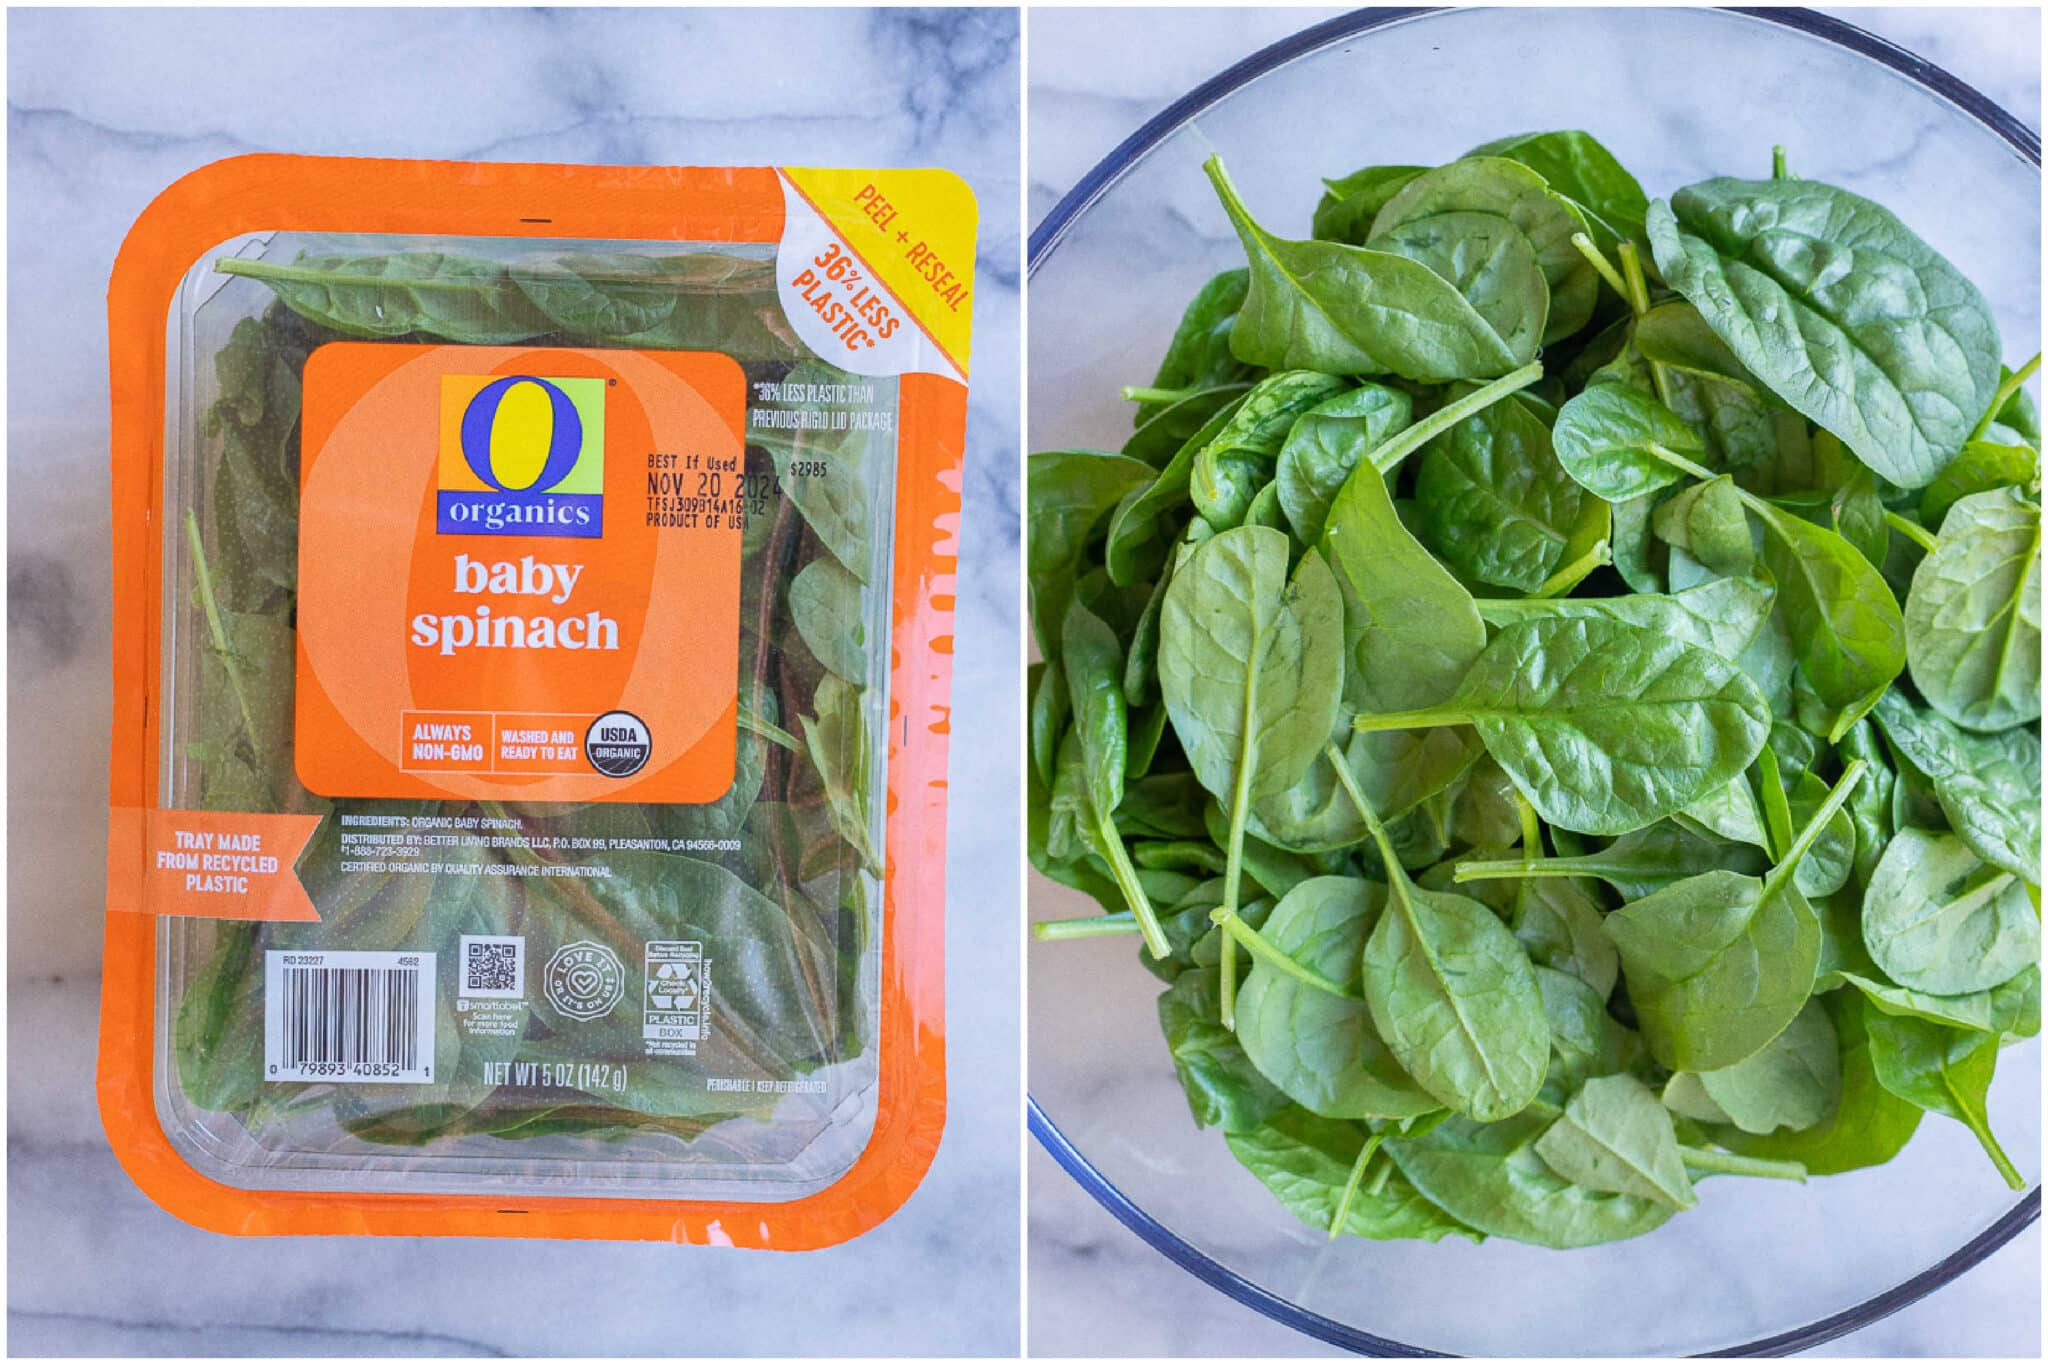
(521, 456)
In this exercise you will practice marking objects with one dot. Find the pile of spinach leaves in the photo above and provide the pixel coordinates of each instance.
(1554, 679)
(786, 920)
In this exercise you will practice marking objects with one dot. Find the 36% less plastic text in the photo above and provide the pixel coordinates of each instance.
(862, 319)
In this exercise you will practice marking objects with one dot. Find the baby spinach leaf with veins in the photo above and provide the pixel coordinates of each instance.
(1708, 522)
(1718, 964)
(1486, 259)
(1397, 770)
(1454, 996)
(1973, 615)
(1306, 1160)
(1092, 656)
(1326, 443)
(1411, 630)
(1224, 1088)
(456, 298)
(1497, 186)
(1238, 460)
(1867, 1126)
(1492, 500)
(1841, 310)
(1639, 862)
(1722, 616)
(1348, 206)
(1558, 924)
(1251, 429)
(1250, 669)
(1050, 714)
(1938, 920)
(1604, 727)
(825, 603)
(1715, 968)
(1349, 310)
(1585, 1040)
(1576, 166)
(1605, 439)
(1160, 437)
(1614, 1136)
(1794, 1082)
(1944, 1071)
(2012, 1009)
(1846, 625)
(1826, 867)
(1072, 492)
(1320, 1048)
(1981, 467)
(1490, 1177)
(836, 739)
(1989, 786)
(1248, 662)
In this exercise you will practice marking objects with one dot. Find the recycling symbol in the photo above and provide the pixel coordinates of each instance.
(674, 986)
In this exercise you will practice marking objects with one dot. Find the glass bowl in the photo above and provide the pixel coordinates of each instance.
(1761, 1267)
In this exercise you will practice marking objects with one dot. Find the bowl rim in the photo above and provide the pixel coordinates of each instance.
(1045, 237)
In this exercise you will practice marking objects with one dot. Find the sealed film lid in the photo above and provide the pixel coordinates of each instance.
(533, 596)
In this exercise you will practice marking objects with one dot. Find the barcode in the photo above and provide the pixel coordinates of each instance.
(347, 1016)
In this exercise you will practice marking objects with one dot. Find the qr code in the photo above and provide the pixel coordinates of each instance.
(493, 968)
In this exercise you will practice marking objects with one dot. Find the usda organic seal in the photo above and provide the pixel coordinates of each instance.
(618, 743)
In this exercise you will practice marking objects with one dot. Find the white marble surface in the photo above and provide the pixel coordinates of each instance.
(1094, 1287)
(105, 108)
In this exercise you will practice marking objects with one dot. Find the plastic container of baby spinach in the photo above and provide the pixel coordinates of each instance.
(528, 783)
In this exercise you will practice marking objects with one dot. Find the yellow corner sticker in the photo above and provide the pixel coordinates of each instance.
(915, 230)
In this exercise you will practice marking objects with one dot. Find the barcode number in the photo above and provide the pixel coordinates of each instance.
(348, 1016)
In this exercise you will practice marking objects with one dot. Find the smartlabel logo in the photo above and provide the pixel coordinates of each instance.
(521, 456)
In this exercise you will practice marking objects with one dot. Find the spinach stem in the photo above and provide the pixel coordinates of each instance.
(1852, 773)
(1409, 720)
(770, 731)
(1085, 926)
(1136, 394)
(1401, 444)
(1777, 813)
(1683, 465)
(1372, 1144)
(1911, 530)
(1727, 1163)
(1365, 812)
(1233, 856)
(1985, 1139)
(1574, 573)
(1235, 930)
(1632, 271)
(1532, 830)
(2004, 395)
(1119, 861)
(1778, 170)
(1637, 291)
(1381, 1174)
(1598, 260)
(211, 607)
(1500, 869)
(1856, 711)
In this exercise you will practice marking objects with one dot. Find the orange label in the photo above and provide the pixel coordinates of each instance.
(216, 864)
(519, 573)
